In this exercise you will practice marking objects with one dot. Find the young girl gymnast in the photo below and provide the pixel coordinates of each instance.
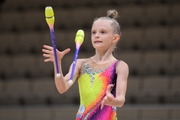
(102, 79)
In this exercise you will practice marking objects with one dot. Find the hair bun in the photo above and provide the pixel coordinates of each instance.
(112, 14)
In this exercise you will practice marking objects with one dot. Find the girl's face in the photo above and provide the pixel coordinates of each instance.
(102, 34)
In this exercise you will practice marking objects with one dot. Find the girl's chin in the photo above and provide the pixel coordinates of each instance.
(97, 46)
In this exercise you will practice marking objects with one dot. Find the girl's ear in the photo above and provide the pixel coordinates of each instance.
(116, 38)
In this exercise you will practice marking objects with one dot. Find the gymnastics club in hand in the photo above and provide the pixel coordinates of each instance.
(49, 14)
(78, 40)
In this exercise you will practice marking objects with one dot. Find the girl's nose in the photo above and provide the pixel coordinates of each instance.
(96, 35)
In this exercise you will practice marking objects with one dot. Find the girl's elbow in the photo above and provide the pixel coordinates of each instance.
(61, 91)
(122, 102)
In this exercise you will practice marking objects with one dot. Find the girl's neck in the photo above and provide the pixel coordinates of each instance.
(102, 59)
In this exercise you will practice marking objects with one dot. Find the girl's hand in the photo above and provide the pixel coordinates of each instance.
(108, 99)
(49, 54)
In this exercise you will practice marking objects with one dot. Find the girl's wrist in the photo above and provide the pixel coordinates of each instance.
(113, 101)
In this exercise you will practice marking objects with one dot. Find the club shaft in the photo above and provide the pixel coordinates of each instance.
(74, 63)
(54, 49)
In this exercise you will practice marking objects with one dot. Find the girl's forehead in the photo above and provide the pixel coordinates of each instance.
(102, 23)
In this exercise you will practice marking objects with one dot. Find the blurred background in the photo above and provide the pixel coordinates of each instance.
(149, 44)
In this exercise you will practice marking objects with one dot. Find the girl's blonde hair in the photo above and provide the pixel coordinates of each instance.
(112, 15)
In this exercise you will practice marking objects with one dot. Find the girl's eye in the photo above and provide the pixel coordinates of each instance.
(103, 32)
(93, 32)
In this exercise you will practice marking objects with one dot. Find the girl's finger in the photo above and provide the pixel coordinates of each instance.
(47, 60)
(66, 51)
(46, 55)
(102, 104)
(48, 47)
(109, 88)
(46, 51)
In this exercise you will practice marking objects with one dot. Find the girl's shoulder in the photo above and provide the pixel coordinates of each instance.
(80, 61)
(121, 62)
(122, 65)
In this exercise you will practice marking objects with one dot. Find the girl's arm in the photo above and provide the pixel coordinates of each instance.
(61, 82)
(122, 77)
(122, 71)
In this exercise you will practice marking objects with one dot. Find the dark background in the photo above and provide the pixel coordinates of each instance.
(149, 44)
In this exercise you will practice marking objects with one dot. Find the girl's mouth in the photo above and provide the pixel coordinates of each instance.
(97, 41)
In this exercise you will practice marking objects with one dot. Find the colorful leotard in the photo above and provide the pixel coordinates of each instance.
(92, 88)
